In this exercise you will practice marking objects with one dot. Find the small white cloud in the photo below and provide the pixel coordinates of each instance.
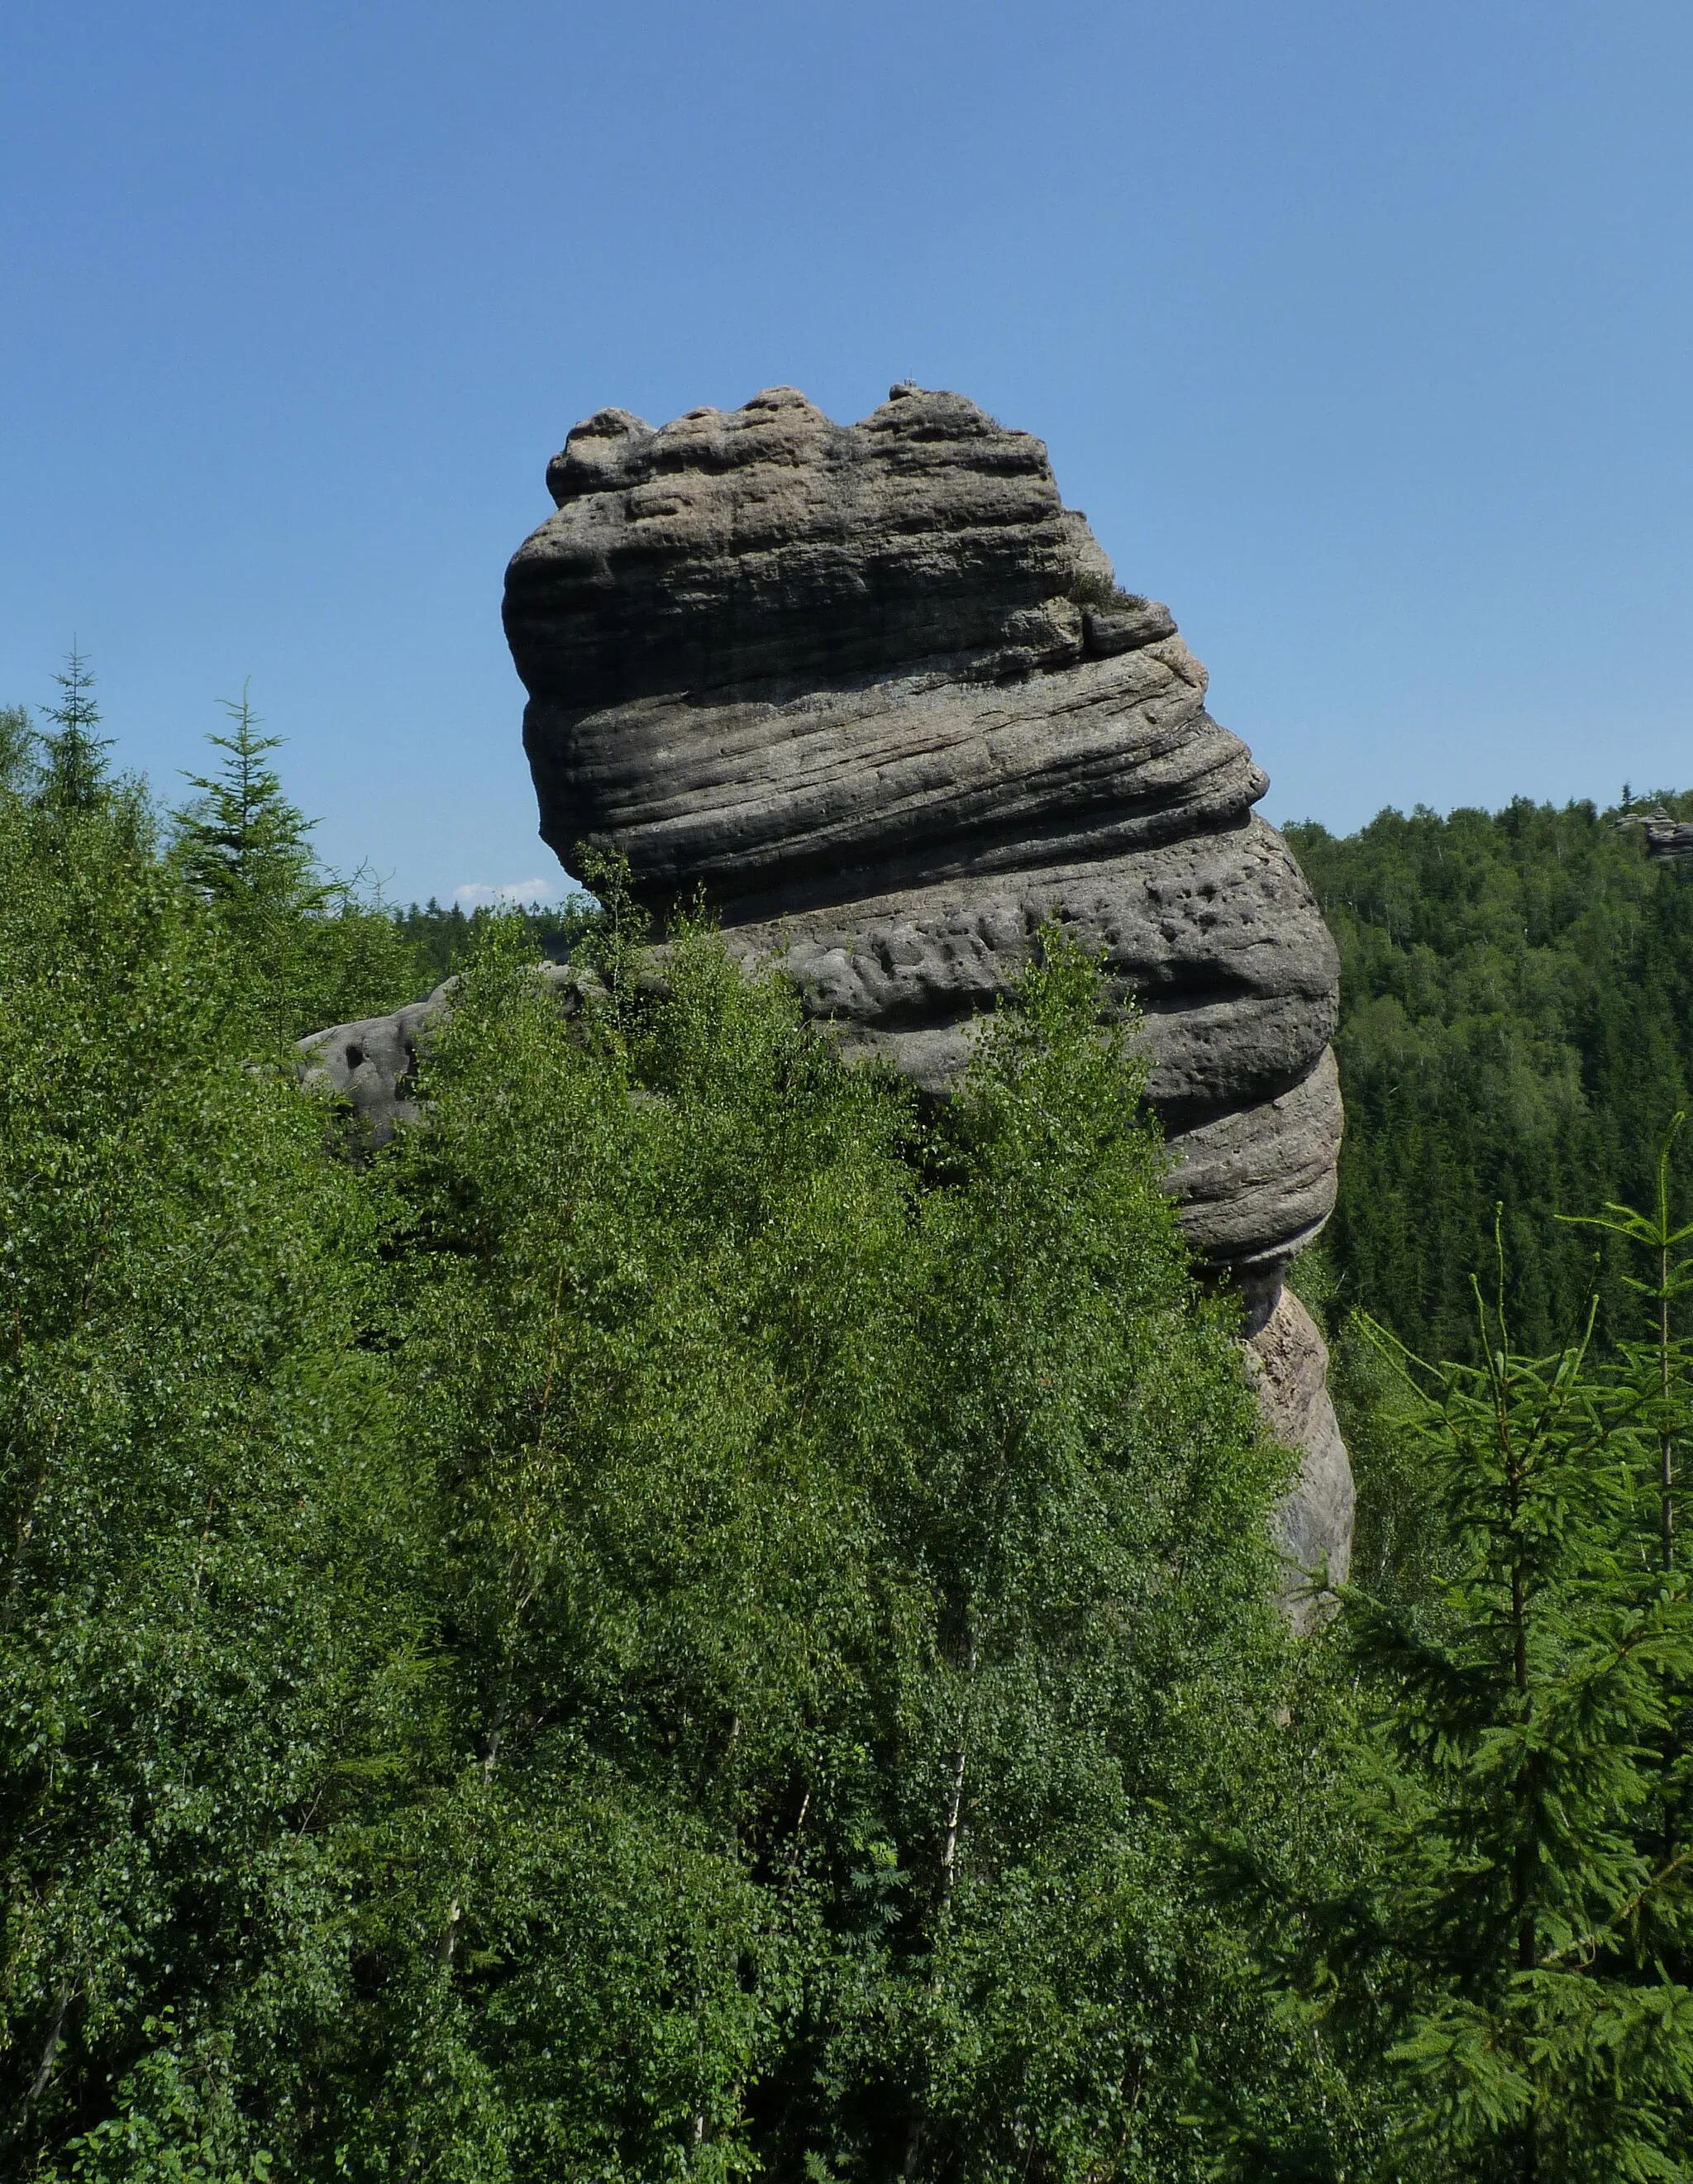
(478, 895)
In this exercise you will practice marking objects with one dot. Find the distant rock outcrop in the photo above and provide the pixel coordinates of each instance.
(873, 689)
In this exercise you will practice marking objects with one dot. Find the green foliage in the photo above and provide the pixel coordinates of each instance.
(444, 940)
(1094, 588)
(1661, 1367)
(18, 744)
(204, 1524)
(315, 953)
(1516, 1027)
(694, 1617)
(857, 1535)
(1493, 1947)
(242, 843)
(1546, 2041)
(74, 766)
(685, 1620)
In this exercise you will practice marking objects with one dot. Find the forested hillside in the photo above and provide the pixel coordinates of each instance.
(1517, 1028)
(443, 938)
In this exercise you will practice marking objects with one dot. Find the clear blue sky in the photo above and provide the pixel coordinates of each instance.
(1362, 333)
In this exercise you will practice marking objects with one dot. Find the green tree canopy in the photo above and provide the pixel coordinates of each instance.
(241, 841)
(1516, 1028)
(74, 763)
(317, 952)
(205, 1580)
(688, 1618)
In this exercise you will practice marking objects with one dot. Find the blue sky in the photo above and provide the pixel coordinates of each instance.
(1361, 333)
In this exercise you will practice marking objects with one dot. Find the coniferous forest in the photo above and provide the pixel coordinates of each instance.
(693, 1617)
(1517, 1031)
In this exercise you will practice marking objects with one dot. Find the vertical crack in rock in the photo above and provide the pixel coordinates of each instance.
(874, 689)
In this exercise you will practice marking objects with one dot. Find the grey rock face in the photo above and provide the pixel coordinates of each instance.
(1211, 936)
(768, 653)
(1289, 1360)
(372, 1065)
(872, 689)
(736, 547)
(369, 1064)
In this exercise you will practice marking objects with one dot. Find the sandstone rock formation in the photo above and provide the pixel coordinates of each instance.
(874, 690)
(1288, 1363)
(370, 1063)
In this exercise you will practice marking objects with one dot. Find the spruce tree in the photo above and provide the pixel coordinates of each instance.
(1651, 1390)
(1528, 1899)
(75, 756)
(317, 952)
(1657, 1370)
(242, 843)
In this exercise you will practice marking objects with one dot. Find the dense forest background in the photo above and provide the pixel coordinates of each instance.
(692, 1618)
(1515, 1030)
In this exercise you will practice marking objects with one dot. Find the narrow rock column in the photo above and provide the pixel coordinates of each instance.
(1288, 1363)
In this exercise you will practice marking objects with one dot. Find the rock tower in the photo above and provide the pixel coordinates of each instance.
(873, 688)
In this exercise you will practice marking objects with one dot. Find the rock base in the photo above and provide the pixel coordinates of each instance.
(1287, 1361)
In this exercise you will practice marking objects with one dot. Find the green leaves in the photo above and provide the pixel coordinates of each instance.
(1527, 1976)
(72, 773)
(1515, 1027)
(201, 1527)
(242, 843)
(866, 1501)
(686, 1619)
(311, 952)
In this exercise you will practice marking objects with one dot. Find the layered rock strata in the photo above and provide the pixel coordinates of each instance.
(873, 690)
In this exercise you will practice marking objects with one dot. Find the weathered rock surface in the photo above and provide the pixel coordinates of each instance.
(873, 690)
(771, 653)
(1212, 936)
(370, 1063)
(1289, 1361)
